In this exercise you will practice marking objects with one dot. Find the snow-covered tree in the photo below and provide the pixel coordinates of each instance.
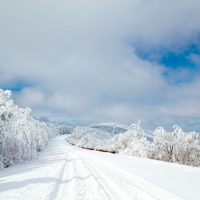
(91, 138)
(21, 136)
(133, 142)
(177, 146)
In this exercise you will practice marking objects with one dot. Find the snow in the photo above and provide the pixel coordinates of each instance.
(63, 171)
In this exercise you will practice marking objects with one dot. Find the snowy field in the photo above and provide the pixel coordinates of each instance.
(63, 171)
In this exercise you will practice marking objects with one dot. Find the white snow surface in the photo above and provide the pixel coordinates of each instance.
(63, 171)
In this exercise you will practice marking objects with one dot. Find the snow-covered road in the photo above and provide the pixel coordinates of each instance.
(66, 172)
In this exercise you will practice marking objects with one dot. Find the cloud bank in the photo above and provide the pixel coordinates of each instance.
(79, 59)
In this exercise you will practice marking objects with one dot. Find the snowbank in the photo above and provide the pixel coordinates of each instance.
(21, 136)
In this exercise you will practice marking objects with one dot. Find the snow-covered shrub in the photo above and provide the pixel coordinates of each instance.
(177, 146)
(91, 138)
(21, 136)
(133, 142)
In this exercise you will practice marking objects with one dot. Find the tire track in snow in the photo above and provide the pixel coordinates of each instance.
(90, 185)
(55, 190)
(66, 187)
(110, 188)
(86, 177)
(64, 172)
(132, 185)
(76, 182)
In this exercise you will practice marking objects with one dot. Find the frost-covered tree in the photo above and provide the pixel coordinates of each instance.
(177, 146)
(91, 138)
(21, 136)
(133, 142)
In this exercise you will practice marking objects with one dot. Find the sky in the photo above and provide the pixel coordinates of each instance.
(103, 61)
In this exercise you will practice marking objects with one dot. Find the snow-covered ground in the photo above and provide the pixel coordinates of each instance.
(63, 171)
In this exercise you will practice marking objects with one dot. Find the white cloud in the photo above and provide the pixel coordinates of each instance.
(81, 57)
(31, 97)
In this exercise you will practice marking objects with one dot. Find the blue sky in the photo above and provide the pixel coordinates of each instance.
(172, 58)
(175, 61)
(16, 86)
(182, 58)
(105, 61)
